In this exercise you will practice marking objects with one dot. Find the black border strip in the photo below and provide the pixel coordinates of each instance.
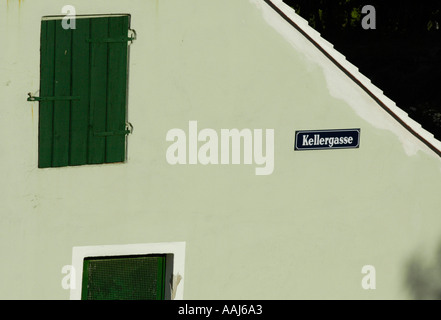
(350, 75)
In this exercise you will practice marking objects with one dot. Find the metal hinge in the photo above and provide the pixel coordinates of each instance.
(60, 98)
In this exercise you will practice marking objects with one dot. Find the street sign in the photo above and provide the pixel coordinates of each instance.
(327, 139)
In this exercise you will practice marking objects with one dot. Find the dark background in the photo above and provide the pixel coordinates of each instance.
(402, 56)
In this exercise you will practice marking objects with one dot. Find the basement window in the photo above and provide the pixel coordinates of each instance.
(124, 278)
(146, 271)
(83, 91)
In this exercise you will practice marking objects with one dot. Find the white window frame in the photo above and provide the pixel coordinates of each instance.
(177, 249)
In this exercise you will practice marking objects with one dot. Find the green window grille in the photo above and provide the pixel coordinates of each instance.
(124, 278)
(83, 91)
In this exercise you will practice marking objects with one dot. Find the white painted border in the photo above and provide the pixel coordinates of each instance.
(61, 17)
(175, 248)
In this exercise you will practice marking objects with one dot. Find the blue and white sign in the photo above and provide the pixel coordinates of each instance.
(327, 139)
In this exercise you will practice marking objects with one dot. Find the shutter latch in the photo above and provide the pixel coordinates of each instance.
(59, 98)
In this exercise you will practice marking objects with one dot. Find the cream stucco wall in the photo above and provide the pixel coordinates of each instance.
(305, 231)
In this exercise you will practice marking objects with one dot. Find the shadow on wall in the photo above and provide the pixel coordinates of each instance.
(423, 276)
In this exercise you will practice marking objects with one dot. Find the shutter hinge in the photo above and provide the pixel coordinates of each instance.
(60, 98)
(130, 37)
(128, 130)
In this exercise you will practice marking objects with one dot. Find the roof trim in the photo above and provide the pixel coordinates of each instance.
(85, 16)
(364, 83)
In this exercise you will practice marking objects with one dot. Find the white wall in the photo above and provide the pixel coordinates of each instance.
(305, 231)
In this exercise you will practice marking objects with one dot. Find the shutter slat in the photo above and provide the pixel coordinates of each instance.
(80, 87)
(98, 90)
(62, 87)
(116, 89)
(45, 135)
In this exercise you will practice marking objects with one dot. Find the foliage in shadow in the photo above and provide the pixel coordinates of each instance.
(423, 276)
(402, 56)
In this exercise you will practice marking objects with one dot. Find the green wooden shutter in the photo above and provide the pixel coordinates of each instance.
(83, 92)
(124, 278)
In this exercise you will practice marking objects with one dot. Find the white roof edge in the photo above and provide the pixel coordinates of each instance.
(399, 114)
(61, 17)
